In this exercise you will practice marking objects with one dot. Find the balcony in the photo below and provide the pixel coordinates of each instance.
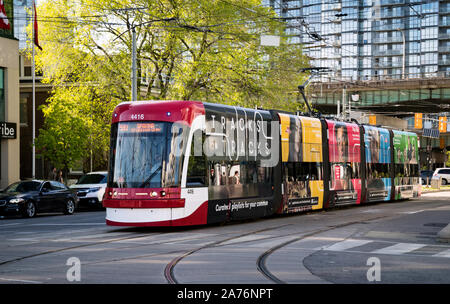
(387, 40)
(389, 27)
(387, 52)
(331, 7)
(391, 2)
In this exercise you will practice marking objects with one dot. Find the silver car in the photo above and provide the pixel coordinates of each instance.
(443, 173)
(90, 188)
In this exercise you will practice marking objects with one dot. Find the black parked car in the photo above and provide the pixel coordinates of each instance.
(32, 196)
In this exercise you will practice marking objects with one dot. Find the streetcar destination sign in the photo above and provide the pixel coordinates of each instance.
(8, 130)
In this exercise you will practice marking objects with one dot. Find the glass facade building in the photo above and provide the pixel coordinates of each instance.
(22, 17)
(371, 39)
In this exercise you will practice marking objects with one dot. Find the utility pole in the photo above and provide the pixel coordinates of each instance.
(343, 101)
(33, 149)
(134, 95)
(133, 66)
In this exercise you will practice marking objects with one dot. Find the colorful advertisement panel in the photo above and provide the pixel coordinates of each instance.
(345, 160)
(406, 153)
(301, 150)
(378, 162)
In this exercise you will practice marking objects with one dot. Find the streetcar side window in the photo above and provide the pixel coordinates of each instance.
(378, 170)
(302, 171)
(238, 173)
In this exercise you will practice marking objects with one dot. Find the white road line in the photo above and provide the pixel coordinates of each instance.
(22, 281)
(399, 248)
(70, 224)
(443, 254)
(7, 225)
(412, 212)
(347, 244)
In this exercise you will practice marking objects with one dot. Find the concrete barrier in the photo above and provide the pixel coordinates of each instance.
(436, 183)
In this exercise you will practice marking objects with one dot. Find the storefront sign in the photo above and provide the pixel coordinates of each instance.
(8, 130)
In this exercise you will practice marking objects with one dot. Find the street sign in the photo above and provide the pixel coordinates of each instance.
(8, 130)
(270, 40)
(418, 121)
(442, 124)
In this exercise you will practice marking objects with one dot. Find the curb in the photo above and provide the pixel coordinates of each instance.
(444, 235)
(435, 191)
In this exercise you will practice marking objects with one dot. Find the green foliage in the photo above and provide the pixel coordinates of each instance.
(204, 50)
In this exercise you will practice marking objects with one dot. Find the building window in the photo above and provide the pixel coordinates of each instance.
(2, 93)
(24, 97)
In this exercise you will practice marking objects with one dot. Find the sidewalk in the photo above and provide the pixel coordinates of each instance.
(431, 190)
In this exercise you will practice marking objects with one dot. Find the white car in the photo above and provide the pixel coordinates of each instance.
(444, 173)
(90, 188)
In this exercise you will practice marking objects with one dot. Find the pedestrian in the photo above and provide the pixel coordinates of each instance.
(52, 175)
(236, 178)
(60, 177)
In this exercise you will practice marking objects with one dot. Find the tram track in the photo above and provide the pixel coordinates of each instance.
(261, 261)
(94, 244)
(68, 249)
(169, 269)
(100, 243)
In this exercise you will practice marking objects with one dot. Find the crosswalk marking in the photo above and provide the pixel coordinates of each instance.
(443, 254)
(347, 244)
(399, 248)
(350, 245)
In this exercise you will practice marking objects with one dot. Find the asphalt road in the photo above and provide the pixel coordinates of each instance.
(378, 243)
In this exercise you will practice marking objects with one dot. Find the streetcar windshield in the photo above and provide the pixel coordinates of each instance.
(146, 155)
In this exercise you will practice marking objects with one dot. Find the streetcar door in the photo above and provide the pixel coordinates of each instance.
(194, 181)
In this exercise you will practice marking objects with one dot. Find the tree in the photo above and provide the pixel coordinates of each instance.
(186, 49)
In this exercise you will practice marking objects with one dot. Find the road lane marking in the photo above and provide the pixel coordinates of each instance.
(443, 254)
(8, 225)
(22, 281)
(70, 224)
(347, 244)
(399, 248)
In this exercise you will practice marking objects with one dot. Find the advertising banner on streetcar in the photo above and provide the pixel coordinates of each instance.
(378, 162)
(302, 157)
(345, 159)
(406, 173)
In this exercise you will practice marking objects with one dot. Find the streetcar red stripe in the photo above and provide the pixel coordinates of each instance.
(156, 203)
